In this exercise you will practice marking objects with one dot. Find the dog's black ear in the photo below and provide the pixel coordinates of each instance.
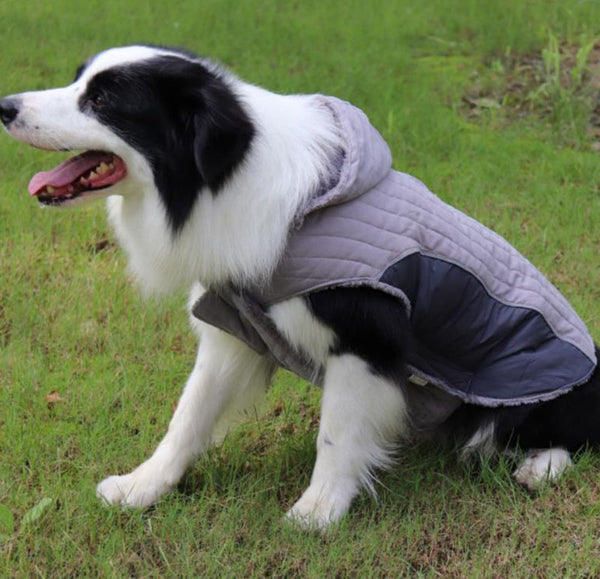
(223, 132)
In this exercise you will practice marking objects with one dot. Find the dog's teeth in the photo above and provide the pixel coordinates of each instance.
(111, 166)
(50, 189)
(102, 168)
(93, 175)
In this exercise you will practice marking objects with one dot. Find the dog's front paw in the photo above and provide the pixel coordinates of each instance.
(136, 489)
(318, 509)
(114, 490)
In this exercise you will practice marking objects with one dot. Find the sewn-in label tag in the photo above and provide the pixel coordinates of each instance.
(418, 380)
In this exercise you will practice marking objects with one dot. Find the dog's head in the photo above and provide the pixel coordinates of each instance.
(138, 114)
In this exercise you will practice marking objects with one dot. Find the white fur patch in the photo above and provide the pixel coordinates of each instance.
(303, 330)
(482, 443)
(542, 466)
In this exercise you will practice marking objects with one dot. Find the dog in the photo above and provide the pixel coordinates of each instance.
(207, 181)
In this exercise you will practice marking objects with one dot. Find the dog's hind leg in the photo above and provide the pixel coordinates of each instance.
(227, 376)
(362, 415)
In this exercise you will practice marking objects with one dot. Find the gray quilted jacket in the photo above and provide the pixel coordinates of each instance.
(488, 327)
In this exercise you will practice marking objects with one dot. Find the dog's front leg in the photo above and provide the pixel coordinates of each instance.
(226, 379)
(362, 415)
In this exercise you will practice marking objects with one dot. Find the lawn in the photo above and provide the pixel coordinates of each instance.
(493, 105)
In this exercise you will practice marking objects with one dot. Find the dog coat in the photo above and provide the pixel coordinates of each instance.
(488, 328)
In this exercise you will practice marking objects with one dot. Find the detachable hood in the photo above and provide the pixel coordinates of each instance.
(366, 160)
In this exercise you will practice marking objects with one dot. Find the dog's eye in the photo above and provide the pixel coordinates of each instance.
(97, 100)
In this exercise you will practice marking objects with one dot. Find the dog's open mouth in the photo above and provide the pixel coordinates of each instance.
(75, 177)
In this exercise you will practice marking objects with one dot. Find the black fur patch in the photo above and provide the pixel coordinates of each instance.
(367, 323)
(182, 117)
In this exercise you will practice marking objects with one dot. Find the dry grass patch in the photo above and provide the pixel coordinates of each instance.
(558, 85)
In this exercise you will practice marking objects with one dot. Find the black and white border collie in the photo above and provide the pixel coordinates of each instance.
(203, 175)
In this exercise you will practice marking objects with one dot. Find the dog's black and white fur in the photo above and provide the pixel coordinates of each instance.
(216, 171)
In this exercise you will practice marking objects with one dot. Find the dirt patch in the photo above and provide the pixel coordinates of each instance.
(560, 86)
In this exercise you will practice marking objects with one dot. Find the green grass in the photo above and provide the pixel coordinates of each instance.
(72, 323)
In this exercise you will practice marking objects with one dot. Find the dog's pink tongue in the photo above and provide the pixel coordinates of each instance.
(68, 171)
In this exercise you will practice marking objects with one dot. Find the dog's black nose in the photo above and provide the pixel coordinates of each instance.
(9, 109)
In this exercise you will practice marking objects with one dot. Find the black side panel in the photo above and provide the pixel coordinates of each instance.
(480, 347)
